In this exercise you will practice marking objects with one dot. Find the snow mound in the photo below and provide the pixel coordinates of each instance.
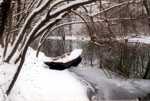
(36, 83)
(73, 55)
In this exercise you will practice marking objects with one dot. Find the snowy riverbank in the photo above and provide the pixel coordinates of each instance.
(37, 82)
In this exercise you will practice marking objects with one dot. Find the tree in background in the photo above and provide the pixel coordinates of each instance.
(4, 10)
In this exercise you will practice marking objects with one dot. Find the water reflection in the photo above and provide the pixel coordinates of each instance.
(130, 60)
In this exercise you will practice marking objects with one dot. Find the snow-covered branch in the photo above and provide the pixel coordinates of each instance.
(55, 4)
(45, 35)
(49, 25)
(49, 20)
(114, 6)
(52, 14)
(67, 7)
(27, 22)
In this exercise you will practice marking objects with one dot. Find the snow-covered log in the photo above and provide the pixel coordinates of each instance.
(65, 61)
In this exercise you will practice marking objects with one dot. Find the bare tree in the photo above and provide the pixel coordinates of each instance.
(34, 18)
(48, 13)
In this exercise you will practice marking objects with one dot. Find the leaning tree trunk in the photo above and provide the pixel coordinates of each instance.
(48, 20)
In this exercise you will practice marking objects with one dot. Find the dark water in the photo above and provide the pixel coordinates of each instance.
(129, 60)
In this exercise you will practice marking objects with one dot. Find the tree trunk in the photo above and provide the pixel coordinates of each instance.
(17, 72)
(4, 9)
(147, 71)
(146, 4)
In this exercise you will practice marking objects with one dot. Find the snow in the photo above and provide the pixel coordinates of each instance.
(6, 72)
(73, 55)
(114, 88)
(1, 1)
(63, 8)
(37, 83)
(136, 39)
(140, 39)
(133, 38)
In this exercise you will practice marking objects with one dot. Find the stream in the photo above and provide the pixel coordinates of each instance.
(111, 71)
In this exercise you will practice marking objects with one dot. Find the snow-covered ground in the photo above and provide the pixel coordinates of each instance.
(116, 88)
(41, 84)
(36, 82)
(1, 1)
(139, 39)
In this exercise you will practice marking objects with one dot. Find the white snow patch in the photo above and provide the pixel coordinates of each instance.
(1, 1)
(6, 73)
(73, 55)
(140, 39)
(36, 83)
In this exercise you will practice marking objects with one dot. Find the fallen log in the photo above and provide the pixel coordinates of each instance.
(65, 61)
